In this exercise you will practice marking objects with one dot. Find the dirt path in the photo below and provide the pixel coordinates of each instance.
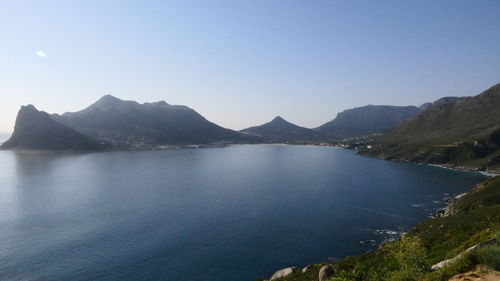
(478, 274)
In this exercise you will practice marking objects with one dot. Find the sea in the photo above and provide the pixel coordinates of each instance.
(233, 213)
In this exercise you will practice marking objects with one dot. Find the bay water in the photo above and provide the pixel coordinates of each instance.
(232, 213)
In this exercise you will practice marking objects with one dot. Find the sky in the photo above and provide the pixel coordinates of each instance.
(240, 63)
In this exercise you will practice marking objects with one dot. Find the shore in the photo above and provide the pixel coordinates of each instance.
(455, 168)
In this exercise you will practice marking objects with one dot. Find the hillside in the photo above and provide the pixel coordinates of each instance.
(280, 130)
(463, 132)
(472, 219)
(369, 119)
(35, 130)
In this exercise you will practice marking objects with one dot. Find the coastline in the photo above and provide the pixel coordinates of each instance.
(225, 144)
(448, 166)
(454, 168)
(440, 213)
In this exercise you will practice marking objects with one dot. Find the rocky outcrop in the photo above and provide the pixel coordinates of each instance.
(326, 272)
(454, 259)
(283, 272)
(305, 269)
(448, 210)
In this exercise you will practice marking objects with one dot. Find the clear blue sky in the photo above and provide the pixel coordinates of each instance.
(240, 63)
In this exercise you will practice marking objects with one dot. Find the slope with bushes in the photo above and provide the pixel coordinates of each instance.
(459, 132)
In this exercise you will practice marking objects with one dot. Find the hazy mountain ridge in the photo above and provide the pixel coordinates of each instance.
(369, 119)
(462, 131)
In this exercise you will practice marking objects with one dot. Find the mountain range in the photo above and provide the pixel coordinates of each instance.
(112, 123)
(460, 131)
(360, 121)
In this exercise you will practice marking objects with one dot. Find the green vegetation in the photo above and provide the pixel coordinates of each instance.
(475, 218)
(460, 132)
(490, 256)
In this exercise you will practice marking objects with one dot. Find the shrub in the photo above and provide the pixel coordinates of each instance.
(463, 264)
(406, 259)
(490, 256)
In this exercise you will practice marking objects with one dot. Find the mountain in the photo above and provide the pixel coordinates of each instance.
(424, 106)
(280, 130)
(131, 124)
(463, 131)
(36, 130)
(369, 119)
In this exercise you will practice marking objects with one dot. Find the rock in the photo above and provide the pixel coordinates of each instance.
(478, 187)
(283, 272)
(444, 263)
(305, 269)
(326, 272)
(494, 161)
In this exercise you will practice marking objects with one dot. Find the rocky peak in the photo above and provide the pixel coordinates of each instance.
(29, 115)
(35, 129)
(279, 119)
(158, 103)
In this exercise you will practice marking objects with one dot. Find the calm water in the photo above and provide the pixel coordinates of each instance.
(4, 137)
(232, 213)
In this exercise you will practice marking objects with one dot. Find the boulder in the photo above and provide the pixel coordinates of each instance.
(326, 272)
(283, 272)
(444, 263)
